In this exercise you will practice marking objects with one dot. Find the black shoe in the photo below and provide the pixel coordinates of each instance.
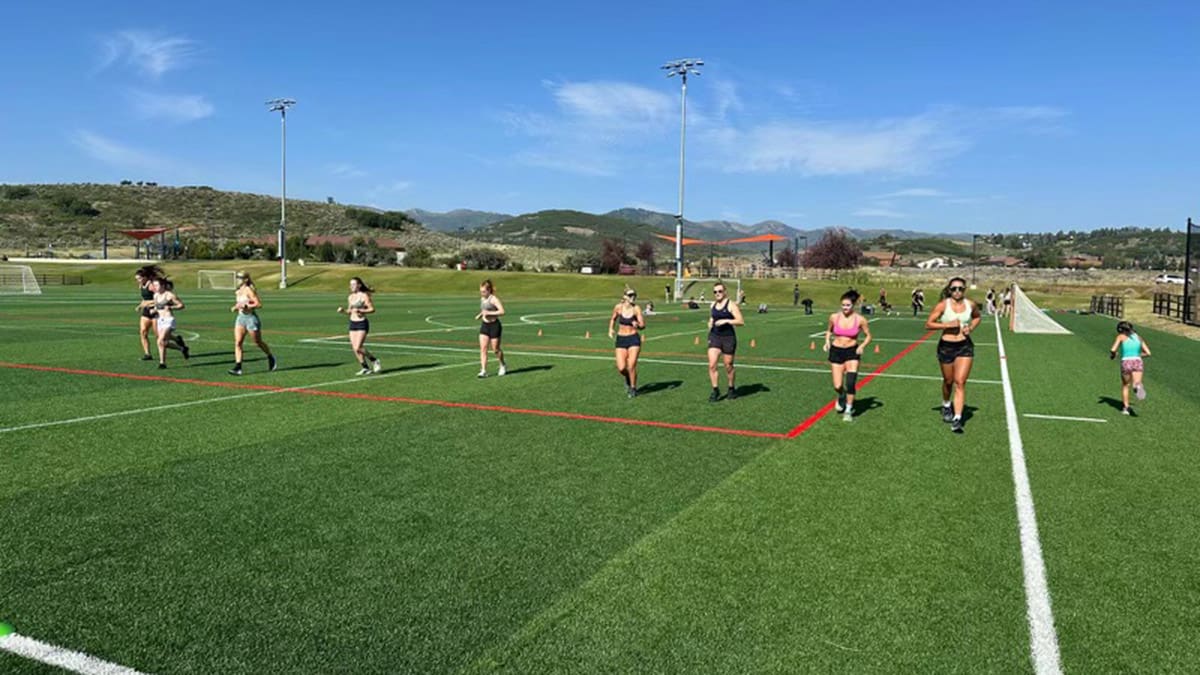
(271, 363)
(147, 357)
(633, 392)
(732, 393)
(947, 414)
(714, 396)
(162, 366)
(187, 353)
(956, 426)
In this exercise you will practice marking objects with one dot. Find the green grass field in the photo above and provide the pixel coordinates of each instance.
(309, 520)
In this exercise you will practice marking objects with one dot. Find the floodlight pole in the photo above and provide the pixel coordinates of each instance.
(281, 106)
(681, 67)
(1187, 273)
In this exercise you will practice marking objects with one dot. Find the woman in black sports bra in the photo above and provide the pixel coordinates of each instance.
(722, 340)
(146, 312)
(627, 319)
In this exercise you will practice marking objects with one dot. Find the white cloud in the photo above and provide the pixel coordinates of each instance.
(150, 52)
(346, 170)
(727, 99)
(171, 107)
(878, 213)
(914, 192)
(614, 105)
(113, 152)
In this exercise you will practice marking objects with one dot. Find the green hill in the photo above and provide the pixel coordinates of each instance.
(76, 215)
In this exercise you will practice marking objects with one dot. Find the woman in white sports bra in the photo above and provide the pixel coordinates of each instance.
(957, 317)
(358, 305)
(166, 303)
(246, 304)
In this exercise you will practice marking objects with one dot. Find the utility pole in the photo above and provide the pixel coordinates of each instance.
(682, 68)
(281, 106)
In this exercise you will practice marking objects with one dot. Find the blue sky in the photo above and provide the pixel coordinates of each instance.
(949, 117)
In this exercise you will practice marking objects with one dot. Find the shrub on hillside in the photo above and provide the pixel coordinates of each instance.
(16, 192)
(418, 256)
(386, 220)
(836, 250)
(485, 259)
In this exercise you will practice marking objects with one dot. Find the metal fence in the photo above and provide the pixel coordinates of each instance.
(1112, 305)
(45, 279)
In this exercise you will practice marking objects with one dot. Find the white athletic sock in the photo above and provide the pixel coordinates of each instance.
(945, 404)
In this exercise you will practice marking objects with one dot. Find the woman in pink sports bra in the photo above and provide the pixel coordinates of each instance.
(845, 351)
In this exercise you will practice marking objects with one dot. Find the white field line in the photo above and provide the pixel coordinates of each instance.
(188, 335)
(1043, 640)
(1062, 417)
(216, 399)
(430, 320)
(323, 343)
(76, 662)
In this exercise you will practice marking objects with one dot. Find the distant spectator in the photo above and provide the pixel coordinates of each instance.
(762, 308)
(692, 304)
(795, 294)
(808, 305)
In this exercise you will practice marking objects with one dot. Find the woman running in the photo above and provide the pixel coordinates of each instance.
(490, 311)
(246, 304)
(722, 340)
(1132, 348)
(358, 306)
(956, 317)
(147, 315)
(166, 303)
(845, 351)
(627, 319)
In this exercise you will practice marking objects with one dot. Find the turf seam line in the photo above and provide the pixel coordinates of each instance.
(815, 417)
(76, 662)
(1043, 640)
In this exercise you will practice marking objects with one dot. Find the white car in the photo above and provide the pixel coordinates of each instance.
(1168, 279)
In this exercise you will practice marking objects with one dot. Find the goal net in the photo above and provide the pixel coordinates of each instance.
(1027, 317)
(220, 279)
(700, 288)
(17, 280)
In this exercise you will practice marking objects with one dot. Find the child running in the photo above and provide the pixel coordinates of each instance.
(358, 305)
(722, 340)
(246, 304)
(628, 320)
(956, 317)
(490, 311)
(165, 304)
(1132, 348)
(845, 351)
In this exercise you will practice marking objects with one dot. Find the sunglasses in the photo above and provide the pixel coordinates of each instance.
(631, 295)
(717, 290)
(956, 289)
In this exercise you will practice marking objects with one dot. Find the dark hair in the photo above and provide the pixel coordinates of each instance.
(851, 295)
(1124, 327)
(164, 283)
(362, 285)
(954, 279)
(150, 272)
(487, 283)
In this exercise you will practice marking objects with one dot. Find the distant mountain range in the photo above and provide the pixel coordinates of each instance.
(458, 219)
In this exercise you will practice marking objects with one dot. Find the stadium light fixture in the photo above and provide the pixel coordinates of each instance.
(682, 68)
(281, 106)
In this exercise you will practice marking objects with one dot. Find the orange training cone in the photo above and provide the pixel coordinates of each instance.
(753, 343)
(812, 346)
(876, 349)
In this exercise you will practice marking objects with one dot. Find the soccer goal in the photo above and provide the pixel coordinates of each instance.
(1027, 317)
(220, 279)
(18, 280)
(700, 288)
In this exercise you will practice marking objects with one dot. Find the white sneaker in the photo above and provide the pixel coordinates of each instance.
(364, 371)
(482, 373)
(848, 416)
(1139, 390)
(377, 366)
(503, 370)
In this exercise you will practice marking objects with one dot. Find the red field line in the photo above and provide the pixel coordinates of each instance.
(815, 417)
(399, 399)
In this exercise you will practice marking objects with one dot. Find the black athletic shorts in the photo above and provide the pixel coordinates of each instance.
(149, 313)
(364, 325)
(726, 343)
(843, 354)
(948, 351)
(627, 341)
(492, 330)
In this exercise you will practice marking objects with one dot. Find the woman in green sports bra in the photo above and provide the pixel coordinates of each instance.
(957, 317)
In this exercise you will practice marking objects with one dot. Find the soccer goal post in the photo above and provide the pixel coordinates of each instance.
(219, 279)
(18, 280)
(1027, 317)
(700, 288)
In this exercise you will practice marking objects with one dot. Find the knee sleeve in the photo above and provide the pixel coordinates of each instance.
(851, 380)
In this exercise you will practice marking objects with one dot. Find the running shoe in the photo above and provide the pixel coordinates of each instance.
(163, 366)
(956, 425)
(187, 353)
(376, 366)
(1139, 390)
(235, 371)
(365, 371)
(272, 364)
(633, 392)
(482, 374)
(848, 416)
(1127, 411)
(732, 393)
(714, 396)
(503, 370)
(147, 357)
(947, 414)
